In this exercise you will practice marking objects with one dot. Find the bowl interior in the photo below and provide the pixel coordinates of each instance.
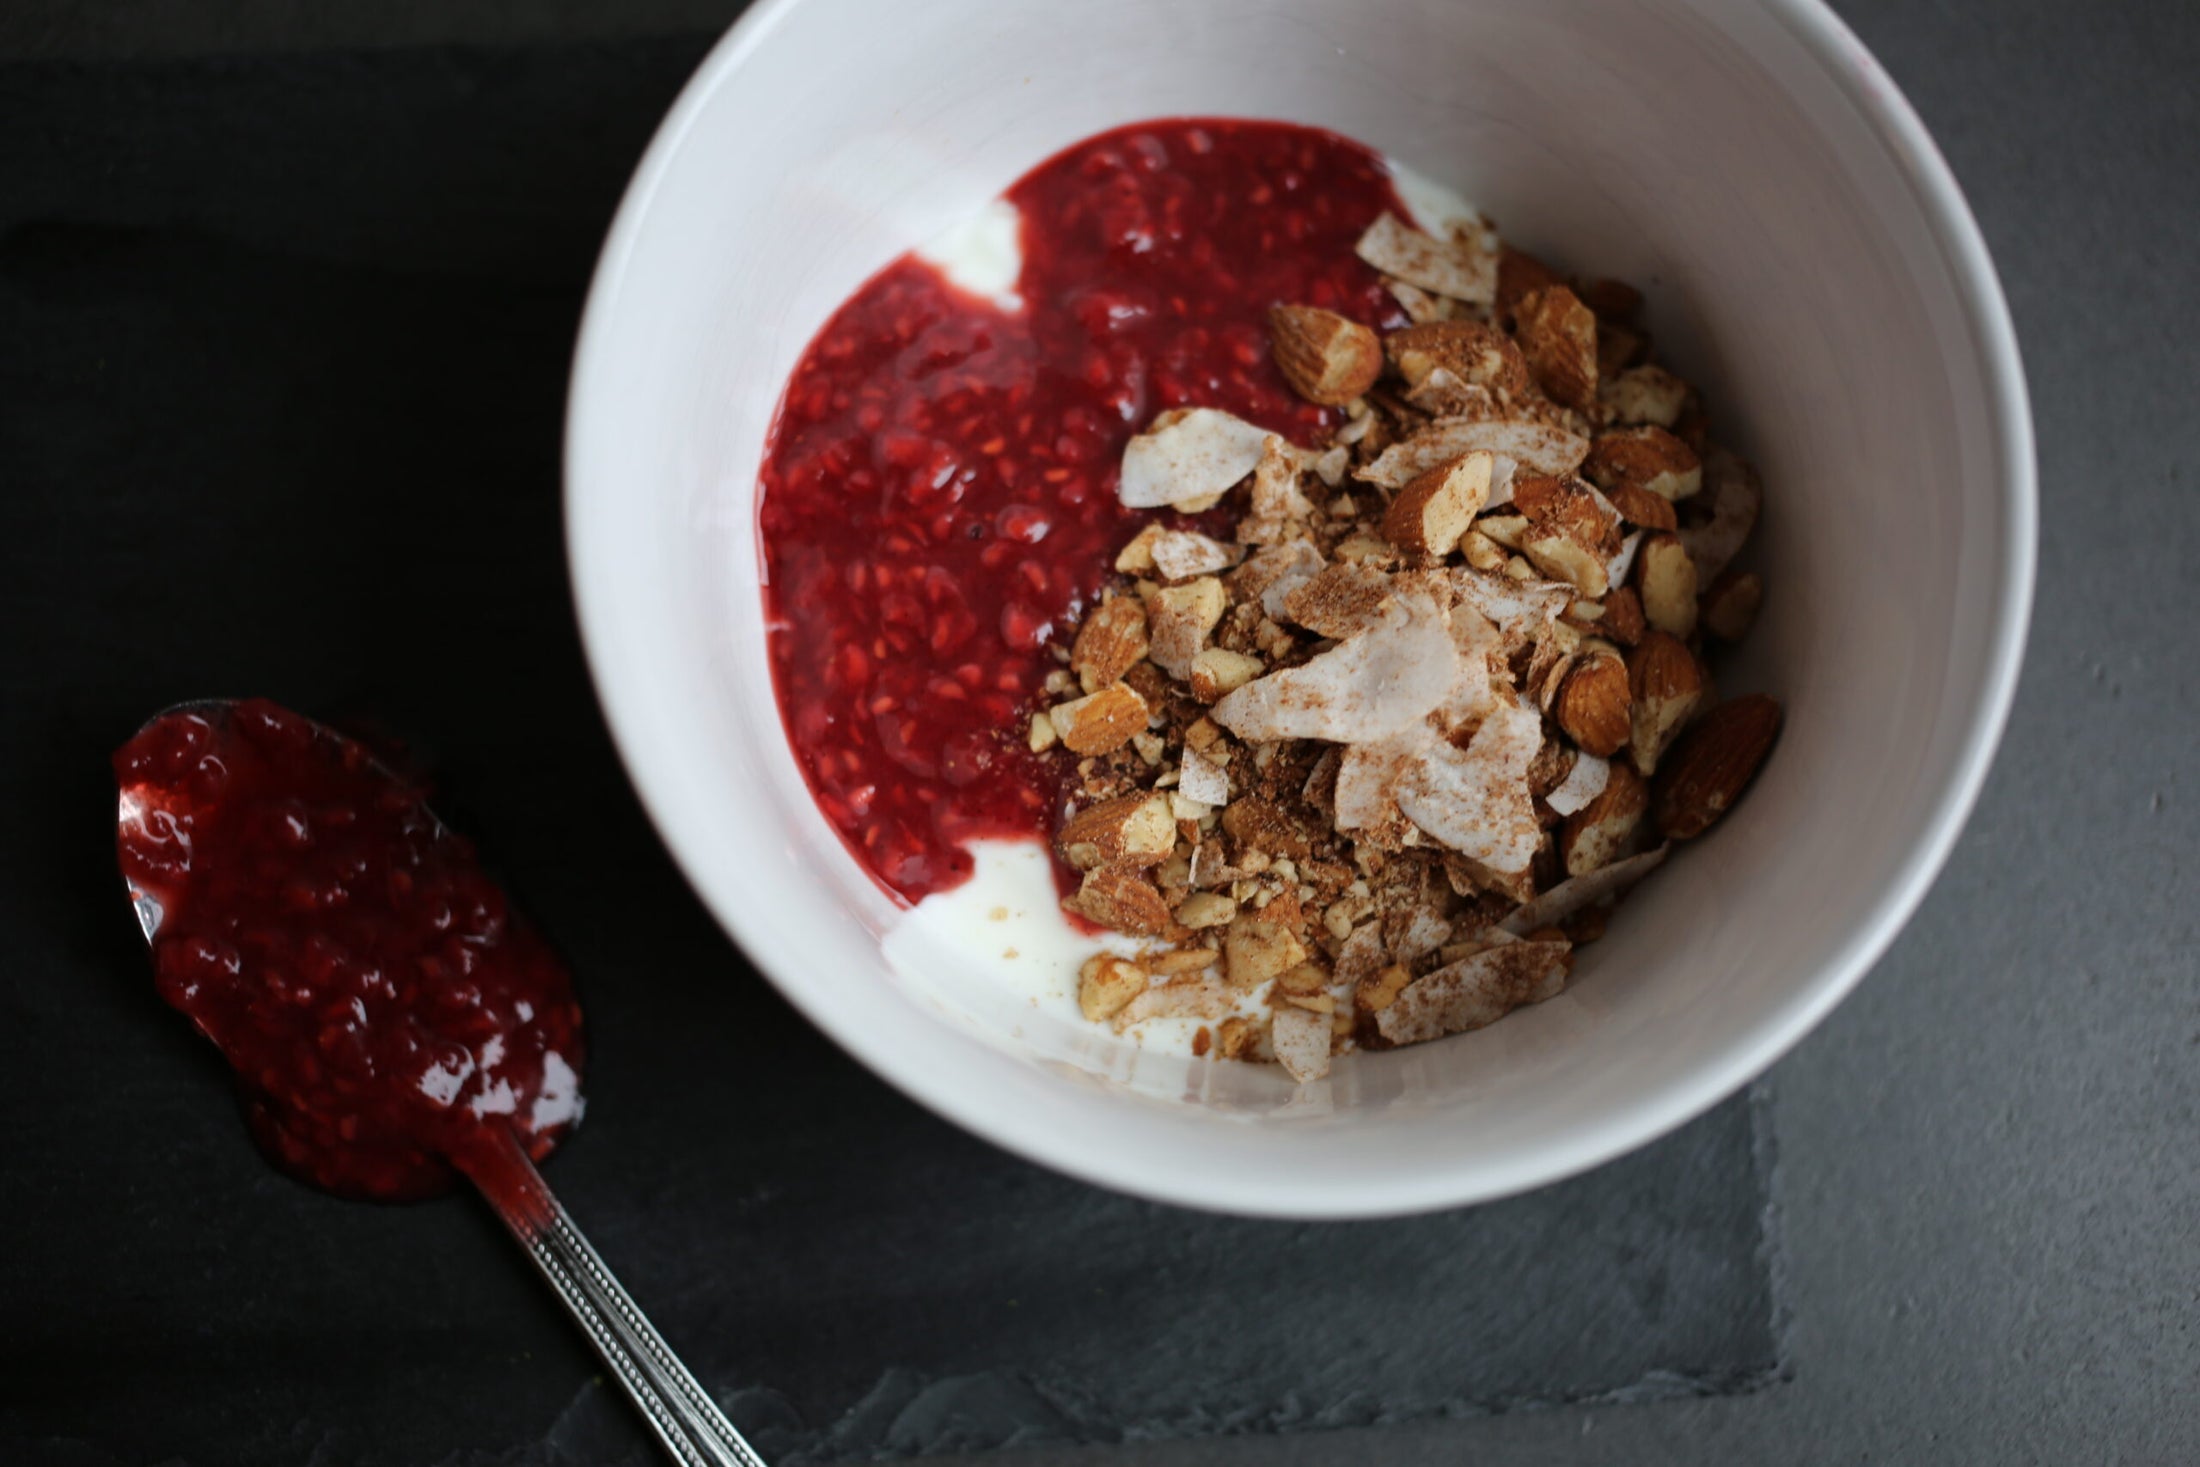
(1804, 263)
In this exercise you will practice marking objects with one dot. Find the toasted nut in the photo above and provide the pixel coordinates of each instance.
(1507, 530)
(1302, 979)
(1714, 764)
(1183, 960)
(1136, 558)
(1595, 704)
(1666, 580)
(1106, 984)
(1042, 736)
(1730, 607)
(1667, 685)
(1558, 336)
(1520, 274)
(1217, 672)
(1102, 722)
(1119, 897)
(1623, 620)
(1237, 1037)
(1638, 506)
(1111, 639)
(1474, 352)
(1481, 551)
(1361, 547)
(1206, 909)
(1598, 833)
(1255, 950)
(1649, 458)
(1326, 358)
(1377, 991)
(1178, 619)
(1135, 830)
(1645, 394)
(1572, 532)
(1619, 346)
(1430, 514)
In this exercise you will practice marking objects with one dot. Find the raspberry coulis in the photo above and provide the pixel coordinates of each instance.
(938, 496)
(384, 1008)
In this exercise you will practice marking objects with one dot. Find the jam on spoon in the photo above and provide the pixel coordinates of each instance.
(385, 1010)
(393, 1024)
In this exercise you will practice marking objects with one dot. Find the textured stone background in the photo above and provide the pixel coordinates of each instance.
(302, 308)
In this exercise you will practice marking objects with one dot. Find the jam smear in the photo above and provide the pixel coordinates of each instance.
(938, 496)
(385, 1010)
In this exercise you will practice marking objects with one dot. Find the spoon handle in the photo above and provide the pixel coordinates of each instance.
(693, 1431)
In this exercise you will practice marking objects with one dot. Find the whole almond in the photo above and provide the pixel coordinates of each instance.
(1327, 358)
(1709, 769)
(1594, 704)
(1558, 336)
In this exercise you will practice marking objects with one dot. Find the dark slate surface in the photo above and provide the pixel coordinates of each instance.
(282, 353)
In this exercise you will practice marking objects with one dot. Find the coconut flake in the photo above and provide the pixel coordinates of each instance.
(1521, 610)
(1475, 800)
(1583, 783)
(1200, 778)
(1538, 447)
(1459, 271)
(1301, 1040)
(1475, 991)
(1369, 686)
(1181, 554)
(1278, 571)
(1581, 892)
(1623, 560)
(1190, 456)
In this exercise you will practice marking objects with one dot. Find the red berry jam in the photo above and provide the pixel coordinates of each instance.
(938, 498)
(382, 1005)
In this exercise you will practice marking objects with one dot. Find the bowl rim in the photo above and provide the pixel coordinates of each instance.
(1977, 289)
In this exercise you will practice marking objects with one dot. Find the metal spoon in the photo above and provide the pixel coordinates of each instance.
(686, 1421)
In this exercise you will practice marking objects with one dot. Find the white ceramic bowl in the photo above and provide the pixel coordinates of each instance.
(1808, 259)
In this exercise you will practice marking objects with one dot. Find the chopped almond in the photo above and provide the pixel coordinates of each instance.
(1623, 620)
(1118, 897)
(1206, 909)
(1255, 950)
(1102, 722)
(1644, 395)
(1136, 557)
(1558, 336)
(1327, 358)
(1430, 514)
(1238, 1038)
(1667, 584)
(1518, 275)
(1638, 506)
(1729, 607)
(1474, 352)
(1599, 833)
(1734, 496)
(1133, 830)
(1668, 686)
(1216, 672)
(1107, 984)
(1112, 638)
(1649, 458)
(1178, 620)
